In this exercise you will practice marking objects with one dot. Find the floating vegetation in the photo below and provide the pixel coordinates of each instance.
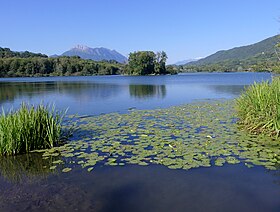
(181, 137)
(66, 169)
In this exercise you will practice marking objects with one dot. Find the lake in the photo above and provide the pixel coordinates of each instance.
(112, 106)
(105, 94)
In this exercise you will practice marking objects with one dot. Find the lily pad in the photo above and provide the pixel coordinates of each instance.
(66, 170)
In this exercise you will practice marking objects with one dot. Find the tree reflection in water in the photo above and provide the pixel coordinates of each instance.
(147, 91)
(11, 91)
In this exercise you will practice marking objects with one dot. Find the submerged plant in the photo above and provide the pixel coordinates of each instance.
(30, 128)
(258, 108)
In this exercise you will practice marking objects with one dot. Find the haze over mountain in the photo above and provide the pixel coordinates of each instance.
(97, 54)
(264, 49)
(184, 62)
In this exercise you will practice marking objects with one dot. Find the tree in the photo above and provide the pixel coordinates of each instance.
(161, 58)
(146, 62)
(141, 63)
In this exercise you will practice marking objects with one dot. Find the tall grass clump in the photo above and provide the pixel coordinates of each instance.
(29, 128)
(258, 108)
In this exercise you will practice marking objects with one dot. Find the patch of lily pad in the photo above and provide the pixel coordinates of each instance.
(181, 137)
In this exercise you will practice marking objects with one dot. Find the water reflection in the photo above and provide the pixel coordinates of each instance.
(133, 188)
(234, 90)
(79, 90)
(147, 91)
(96, 95)
(25, 168)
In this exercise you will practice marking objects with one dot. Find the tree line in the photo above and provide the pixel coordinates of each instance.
(25, 64)
(60, 66)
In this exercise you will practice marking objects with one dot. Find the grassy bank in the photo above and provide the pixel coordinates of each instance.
(29, 128)
(258, 108)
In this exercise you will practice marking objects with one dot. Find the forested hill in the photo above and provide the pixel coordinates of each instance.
(265, 49)
(257, 57)
(7, 53)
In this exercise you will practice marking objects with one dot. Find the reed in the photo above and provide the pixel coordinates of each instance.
(258, 108)
(29, 128)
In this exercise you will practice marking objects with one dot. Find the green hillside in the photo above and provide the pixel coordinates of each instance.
(260, 56)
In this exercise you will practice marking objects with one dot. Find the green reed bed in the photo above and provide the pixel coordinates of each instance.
(258, 108)
(29, 128)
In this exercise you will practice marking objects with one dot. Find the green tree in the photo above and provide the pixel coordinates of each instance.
(160, 62)
(141, 63)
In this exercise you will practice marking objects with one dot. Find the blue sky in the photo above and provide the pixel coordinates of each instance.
(183, 28)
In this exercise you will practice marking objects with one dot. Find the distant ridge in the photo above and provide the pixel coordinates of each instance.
(184, 62)
(263, 49)
(97, 54)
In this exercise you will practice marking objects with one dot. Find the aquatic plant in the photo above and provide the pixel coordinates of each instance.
(29, 128)
(258, 108)
(182, 137)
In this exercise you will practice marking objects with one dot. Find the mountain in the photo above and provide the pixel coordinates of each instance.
(54, 56)
(184, 62)
(97, 54)
(264, 49)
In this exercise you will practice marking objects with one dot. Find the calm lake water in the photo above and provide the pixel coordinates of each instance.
(25, 186)
(105, 94)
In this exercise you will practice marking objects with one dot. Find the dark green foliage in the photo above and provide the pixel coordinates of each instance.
(28, 129)
(171, 69)
(141, 63)
(259, 108)
(146, 63)
(60, 66)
